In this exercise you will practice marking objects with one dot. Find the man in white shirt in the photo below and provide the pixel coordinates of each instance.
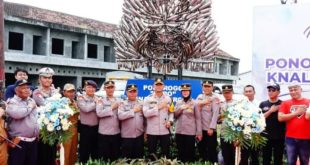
(249, 92)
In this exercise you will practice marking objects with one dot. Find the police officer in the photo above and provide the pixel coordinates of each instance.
(228, 149)
(109, 130)
(188, 125)
(132, 126)
(209, 105)
(23, 127)
(88, 127)
(46, 89)
(158, 118)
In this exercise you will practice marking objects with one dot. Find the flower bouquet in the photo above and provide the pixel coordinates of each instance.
(53, 120)
(244, 122)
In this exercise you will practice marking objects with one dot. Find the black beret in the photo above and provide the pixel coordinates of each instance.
(21, 82)
(91, 83)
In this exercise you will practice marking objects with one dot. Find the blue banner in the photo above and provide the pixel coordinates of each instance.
(172, 88)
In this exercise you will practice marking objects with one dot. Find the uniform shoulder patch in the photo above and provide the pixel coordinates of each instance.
(10, 101)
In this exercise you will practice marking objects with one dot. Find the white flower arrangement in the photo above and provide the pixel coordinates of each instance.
(53, 120)
(244, 123)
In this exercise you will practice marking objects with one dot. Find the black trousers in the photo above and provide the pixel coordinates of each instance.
(133, 147)
(27, 155)
(228, 152)
(186, 147)
(109, 147)
(46, 153)
(208, 147)
(88, 142)
(152, 142)
(275, 148)
(249, 153)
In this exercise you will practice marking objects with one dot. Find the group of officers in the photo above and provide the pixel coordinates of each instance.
(110, 128)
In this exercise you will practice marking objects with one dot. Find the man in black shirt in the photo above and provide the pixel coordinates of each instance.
(275, 130)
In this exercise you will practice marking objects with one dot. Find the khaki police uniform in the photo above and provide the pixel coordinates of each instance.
(188, 125)
(209, 114)
(156, 118)
(46, 153)
(88, 128)
(132, 129)
(109, 129)
(23, 126)
(39, 96)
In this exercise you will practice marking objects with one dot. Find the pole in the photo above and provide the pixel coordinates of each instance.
(165, 71)
(180, 72)
(2, 73)
(149, 70)
(165, 76)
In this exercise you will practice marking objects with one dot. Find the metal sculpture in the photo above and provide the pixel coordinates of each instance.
(166, 34)
(307, 32)
(283, 2)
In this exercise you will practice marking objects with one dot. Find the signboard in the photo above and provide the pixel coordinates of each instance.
(172, 88)
(281, 48)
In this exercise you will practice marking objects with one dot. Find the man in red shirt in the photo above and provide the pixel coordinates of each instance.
(297, 138)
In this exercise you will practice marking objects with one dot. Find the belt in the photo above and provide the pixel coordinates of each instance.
(27, 139)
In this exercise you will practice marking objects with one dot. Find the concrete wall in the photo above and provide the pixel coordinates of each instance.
(28, 32)
(224, 66)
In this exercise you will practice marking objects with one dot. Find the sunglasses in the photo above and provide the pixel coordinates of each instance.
(207, 86)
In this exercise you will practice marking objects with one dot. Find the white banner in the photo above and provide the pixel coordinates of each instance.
(281, 48)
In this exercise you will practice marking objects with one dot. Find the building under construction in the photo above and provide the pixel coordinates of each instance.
(76, 48)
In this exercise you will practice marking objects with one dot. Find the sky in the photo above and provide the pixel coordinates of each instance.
(233, 19)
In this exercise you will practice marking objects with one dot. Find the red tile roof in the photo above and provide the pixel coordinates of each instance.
(44, 15)
(222, 53)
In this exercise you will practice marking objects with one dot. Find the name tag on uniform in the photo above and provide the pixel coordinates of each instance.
(107, 105)
(190, 110)
(153, 104)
